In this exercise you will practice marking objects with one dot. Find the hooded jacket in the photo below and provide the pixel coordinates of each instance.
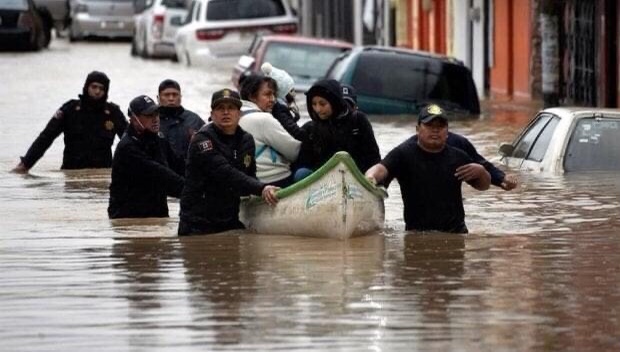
(89, 127)
(345, 130)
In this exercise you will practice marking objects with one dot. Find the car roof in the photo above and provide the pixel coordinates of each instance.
(391, 50)
(578, 111)
(306, 40)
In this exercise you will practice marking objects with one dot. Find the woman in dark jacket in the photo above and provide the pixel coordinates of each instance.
(333, 128)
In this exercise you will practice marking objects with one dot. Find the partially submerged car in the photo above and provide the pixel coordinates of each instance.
(401, 81)
(22, 26)
(563, 139)
(217, 28)
(306, 59)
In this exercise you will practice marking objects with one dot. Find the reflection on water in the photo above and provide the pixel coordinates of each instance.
(539, 270)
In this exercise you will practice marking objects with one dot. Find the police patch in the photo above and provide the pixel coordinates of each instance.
(247, 160)
(205, 146)
(109, 125)
(59, 114)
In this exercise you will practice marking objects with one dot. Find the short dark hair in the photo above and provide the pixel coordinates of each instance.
(169, 83)
(251, 84)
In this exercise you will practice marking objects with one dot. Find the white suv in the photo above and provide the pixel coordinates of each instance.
(154, 27)
(215, 28)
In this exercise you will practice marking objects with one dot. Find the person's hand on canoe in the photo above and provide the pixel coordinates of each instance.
(269, 194)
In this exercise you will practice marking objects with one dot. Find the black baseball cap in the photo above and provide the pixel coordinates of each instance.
(143, 105)
(431, 112)
(225, 95)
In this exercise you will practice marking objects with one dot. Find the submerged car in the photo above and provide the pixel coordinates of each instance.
(155, 26)
(306, 59)
(22, 26)
(216, 28)
(562, 140)
(401, 81)
(101, 18)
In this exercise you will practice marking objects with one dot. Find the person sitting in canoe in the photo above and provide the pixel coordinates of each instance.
(334, 127)
(276, 149)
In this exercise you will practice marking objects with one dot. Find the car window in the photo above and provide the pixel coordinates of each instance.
(527, 139)
(541, 143)
(220, 10)
(594, 145)
(302, 60)
(417, 79)
(340, 67)
(174, 4)
(19, 5)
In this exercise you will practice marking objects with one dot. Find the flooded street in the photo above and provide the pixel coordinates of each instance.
(539, 271)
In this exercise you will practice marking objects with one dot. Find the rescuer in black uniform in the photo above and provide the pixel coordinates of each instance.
(145, 169)
(89, 125)
(220, 168)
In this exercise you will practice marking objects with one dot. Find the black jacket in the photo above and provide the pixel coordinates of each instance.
(285, 116)
(220, 169)
(89, 133)
(179, 125)
(346, 130)
(145, 171)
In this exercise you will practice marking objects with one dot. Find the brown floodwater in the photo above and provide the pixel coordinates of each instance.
(539, 271)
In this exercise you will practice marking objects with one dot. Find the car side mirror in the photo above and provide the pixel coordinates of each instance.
(506, 149)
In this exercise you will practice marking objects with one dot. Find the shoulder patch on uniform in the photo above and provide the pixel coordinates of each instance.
(205, 145)
(109, 125)
(247, 160)
(59, 114)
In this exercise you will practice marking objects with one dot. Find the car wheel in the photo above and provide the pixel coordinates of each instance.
(38, 41)
(134, 48)
(72, 35)
(187, 60)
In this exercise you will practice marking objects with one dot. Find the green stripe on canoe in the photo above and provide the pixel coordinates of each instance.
(339, 157)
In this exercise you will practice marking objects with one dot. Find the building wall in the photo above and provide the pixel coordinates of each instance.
(510, 73)
(425, 25)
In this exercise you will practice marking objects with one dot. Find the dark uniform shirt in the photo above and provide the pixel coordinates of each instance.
(220, 169)
(145, 171)
(431, 192)
(462, 143)
(351, 132)
(88, 135)
(178, 125)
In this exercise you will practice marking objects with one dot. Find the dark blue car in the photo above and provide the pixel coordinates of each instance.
(401, 81)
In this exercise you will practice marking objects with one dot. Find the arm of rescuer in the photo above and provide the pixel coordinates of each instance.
(475, 175)
(498, 177)
(219, 169)
(136, 159)
(54, 128)
(472, 173)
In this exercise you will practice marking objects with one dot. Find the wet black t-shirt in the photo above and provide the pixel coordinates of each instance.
(430, 190)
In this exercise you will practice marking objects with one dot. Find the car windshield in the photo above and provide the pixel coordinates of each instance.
(19, 5)
(174, 4)
(221, 10)
(415, 78)
(594, 145)
(302, 60)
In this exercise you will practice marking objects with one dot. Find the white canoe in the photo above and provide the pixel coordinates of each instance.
(336, 201)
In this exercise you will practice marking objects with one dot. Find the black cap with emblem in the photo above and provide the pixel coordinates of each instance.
(225, 95)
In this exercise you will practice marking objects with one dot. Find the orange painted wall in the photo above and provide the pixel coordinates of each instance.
(428, 26)
(521, 49)
(501, 71)
(510, 74)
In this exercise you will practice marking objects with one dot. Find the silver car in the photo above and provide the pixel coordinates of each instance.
(154, 27)
(215, 28)
(101, 18)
